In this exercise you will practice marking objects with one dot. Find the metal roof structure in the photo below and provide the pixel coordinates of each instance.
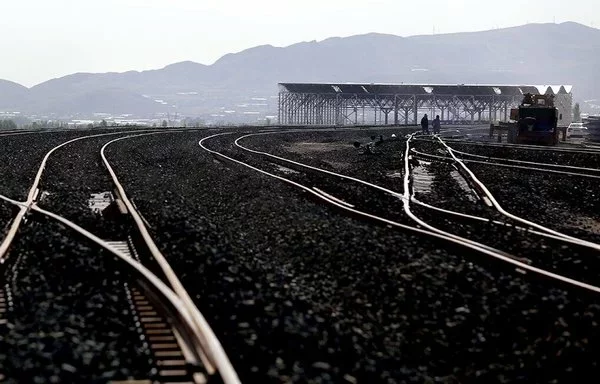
(423, 89)
(344, 103)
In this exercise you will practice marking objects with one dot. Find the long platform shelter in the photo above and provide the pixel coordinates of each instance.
(398, 104)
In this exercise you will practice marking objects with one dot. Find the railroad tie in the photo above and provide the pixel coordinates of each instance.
(169, 358)
(4, 306)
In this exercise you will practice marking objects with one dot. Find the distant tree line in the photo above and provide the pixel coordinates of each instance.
(46, 124)
(193, 122)
(8, 124)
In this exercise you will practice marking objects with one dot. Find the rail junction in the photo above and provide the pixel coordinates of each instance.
(250, 254)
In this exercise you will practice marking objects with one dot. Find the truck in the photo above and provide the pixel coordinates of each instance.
(535, 121)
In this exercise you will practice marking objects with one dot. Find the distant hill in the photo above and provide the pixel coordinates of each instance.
(567, 53)
(12, 95)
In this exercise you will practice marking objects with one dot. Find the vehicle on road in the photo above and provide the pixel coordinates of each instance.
(577, 130)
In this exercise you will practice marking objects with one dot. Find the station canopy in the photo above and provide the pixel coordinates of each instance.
(370, 89)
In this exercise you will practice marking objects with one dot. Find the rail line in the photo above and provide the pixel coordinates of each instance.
(581, 150)
(405, 197)
(536, 167)
(200, 348)
(537, 164)
(482, 188)
(477, 218)
(540, 228)
(25, 206)
(215, 358)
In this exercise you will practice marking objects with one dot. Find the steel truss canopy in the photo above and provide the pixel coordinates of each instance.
(356, 103)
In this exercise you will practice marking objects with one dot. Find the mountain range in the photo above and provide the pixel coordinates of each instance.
(244, 84)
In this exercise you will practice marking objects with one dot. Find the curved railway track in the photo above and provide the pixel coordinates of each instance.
(158, 298)
(182, 344)
(423, 228)
(562, 194)
(467, 157)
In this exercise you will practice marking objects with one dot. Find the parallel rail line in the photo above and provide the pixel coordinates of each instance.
(531, 166)
(200, 348)
(580, 150)
(405, 197)
(540, 228)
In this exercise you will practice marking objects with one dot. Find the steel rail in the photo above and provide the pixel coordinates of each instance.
(565, 238)
(440, 236)
(12, 232)
(10, 235)
(528, 162)
(406, 204)
(402, 197)
(39, 131)
(205, 336)
(13, 202)
(553, 171)
(128, 129)
(486, 220)
(13, 227)
(499, 208)
(494, 164)
(210, 344)
(45, 131)
(29, 132)
(445, 158)
(582, 150)
(156, 286)
(236, 142)
(430, 156)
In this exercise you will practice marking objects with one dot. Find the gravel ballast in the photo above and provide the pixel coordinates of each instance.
(443, 190)
(570, 204)
(21, 159)
(73, 173)
(23, 154)
(299, 293)
(71, 320)
(569, 158)
(7, 213)
(334, 151)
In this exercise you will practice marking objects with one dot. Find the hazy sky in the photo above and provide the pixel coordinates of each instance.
(43, 39)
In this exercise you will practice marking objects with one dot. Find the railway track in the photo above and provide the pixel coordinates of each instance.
(571, 150)
(180, 344)
(561, 195)
(335, 189)
(324, 275)
(467, 157)
(345, 203)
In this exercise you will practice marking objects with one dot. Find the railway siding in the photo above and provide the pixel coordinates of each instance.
(318, 296)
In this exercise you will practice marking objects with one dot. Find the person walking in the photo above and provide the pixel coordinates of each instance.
(425, 125)
(437, 125)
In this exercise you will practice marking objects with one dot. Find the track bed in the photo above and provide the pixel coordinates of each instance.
(297, 292)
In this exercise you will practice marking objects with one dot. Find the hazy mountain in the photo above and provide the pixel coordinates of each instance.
(12, 95)
(567, 53)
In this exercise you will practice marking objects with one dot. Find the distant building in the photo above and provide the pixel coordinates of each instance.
(387, 104)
